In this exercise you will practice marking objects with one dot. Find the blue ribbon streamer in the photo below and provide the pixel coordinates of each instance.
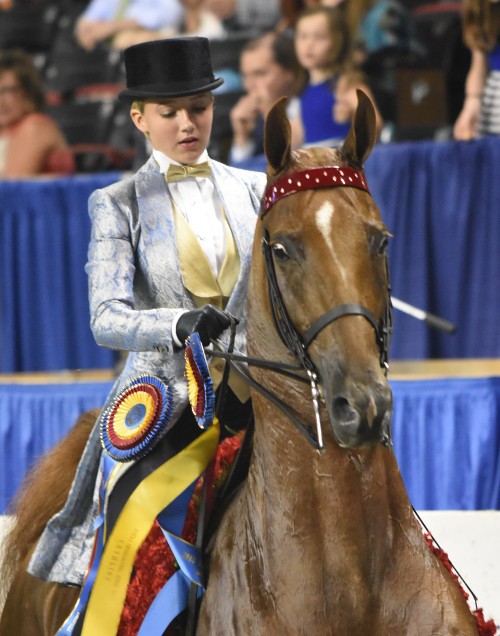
(169, 603)
(188, 556)
(69, 624)
(172, 517)
(173, 598)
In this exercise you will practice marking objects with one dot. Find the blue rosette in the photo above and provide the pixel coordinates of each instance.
(137, 418)
(200, 386)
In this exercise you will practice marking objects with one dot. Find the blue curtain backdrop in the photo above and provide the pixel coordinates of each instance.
(446, 435)
(34, 417)
(44, 311)
(440, 201)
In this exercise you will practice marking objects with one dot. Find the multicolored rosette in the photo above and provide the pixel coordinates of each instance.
(136, 420)
(200, 386)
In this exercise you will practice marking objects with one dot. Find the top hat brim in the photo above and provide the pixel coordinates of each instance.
(173, 91)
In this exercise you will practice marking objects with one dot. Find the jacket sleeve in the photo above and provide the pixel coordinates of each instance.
(115, 321)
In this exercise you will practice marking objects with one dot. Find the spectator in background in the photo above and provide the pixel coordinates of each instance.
(329, 99)
(256, 16)
(269, 70)
(384, 37)
(31, 143)
(104, 20)
(378, 25)
(480, 114)
(197, 21)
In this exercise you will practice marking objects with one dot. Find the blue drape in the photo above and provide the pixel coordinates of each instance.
(439, 200)
(447, 441)
(446, 435)
(441, 203)
(44, 313)
(33, 417)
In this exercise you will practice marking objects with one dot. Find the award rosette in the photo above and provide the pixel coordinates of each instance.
(137, 418)
(200, 386)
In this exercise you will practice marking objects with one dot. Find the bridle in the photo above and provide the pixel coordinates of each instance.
(297, 343)
(325, 177)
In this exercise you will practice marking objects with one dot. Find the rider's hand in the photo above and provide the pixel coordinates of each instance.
(208, 321)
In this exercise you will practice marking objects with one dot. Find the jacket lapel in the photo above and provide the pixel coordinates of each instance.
(241, 218)
(156, 215)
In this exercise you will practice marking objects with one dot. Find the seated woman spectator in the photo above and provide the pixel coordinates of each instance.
(31, 142)
(197, 21)
(103, 21)
(329, 99)
(480, 114)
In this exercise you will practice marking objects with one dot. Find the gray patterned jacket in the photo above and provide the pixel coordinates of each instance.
(136, 290)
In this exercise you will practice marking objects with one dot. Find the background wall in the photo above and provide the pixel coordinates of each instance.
(439, 200)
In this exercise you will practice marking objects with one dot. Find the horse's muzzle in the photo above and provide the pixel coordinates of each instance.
(361, 417)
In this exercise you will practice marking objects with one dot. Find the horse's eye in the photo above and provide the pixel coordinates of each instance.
(384, 243)
(279, 251)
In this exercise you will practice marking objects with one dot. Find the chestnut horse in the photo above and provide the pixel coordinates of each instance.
(321, 537)
(323, 542)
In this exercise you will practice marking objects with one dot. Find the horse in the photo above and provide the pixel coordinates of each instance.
(321, 536)
(322, 539)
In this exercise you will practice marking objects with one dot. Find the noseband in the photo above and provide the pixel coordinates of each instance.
(298, 344)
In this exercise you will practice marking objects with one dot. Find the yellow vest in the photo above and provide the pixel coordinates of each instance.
(205, 288)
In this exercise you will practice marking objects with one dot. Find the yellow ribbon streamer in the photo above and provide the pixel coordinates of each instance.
(150, 497)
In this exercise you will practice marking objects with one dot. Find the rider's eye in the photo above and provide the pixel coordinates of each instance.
(279, 251)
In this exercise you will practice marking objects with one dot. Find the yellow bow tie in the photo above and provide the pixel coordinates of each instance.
(176, 173)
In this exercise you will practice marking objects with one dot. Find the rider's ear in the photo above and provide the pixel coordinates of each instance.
(277, 138)
(363, 132)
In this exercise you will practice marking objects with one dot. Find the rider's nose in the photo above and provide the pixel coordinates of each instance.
(186, 122)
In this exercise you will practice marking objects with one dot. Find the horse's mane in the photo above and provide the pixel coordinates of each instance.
(42, 494)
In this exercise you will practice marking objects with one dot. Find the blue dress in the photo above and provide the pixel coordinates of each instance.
(316, 107)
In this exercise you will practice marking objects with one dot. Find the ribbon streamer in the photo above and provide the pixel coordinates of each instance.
(150, 497)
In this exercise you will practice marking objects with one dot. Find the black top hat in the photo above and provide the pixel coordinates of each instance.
(175, 67)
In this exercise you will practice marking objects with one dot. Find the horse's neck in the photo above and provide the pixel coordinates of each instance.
(367, 482)
(356, 495)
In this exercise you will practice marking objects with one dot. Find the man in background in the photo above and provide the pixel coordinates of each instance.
(269, 70)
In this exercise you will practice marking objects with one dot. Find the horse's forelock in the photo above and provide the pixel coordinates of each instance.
(315, 158)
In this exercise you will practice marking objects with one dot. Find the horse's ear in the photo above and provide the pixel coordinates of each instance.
(278, 137)
(363, 132)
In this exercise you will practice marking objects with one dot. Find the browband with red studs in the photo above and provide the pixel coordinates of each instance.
(324, 177)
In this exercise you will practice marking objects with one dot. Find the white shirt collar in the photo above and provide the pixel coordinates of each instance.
(163, 161)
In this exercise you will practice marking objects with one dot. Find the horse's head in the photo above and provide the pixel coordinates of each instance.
(327, 248)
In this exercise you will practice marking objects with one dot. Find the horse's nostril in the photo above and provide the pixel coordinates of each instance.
(342, 410)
